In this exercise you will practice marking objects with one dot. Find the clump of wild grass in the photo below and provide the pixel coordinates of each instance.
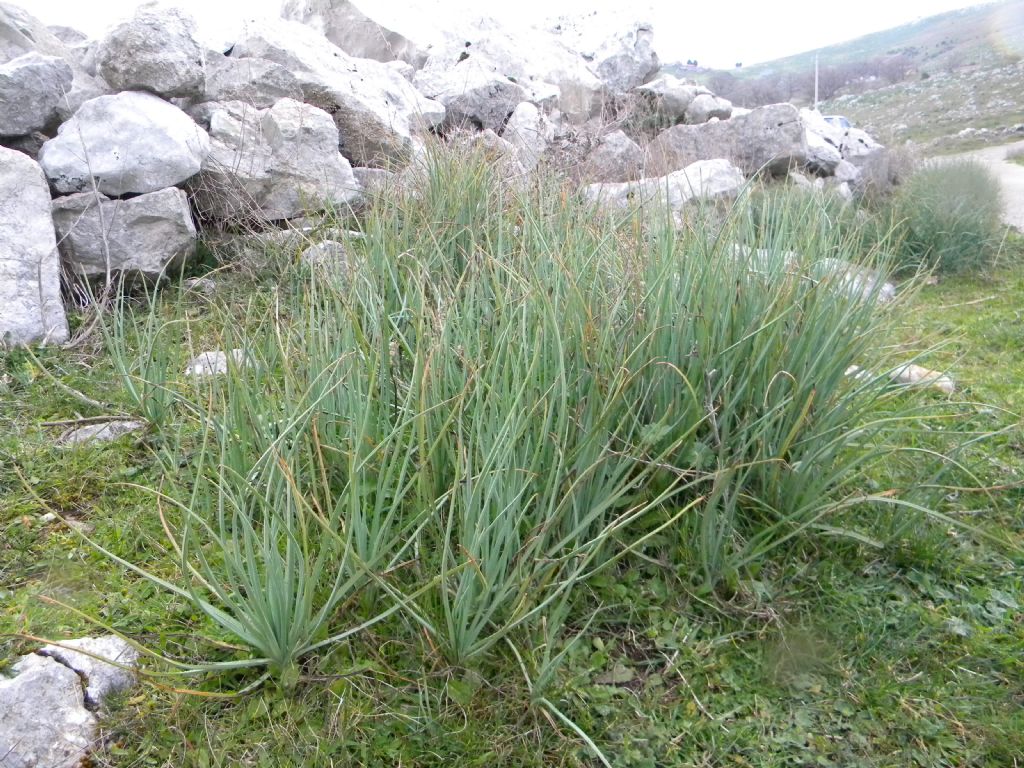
(948, 216)
(507, 394)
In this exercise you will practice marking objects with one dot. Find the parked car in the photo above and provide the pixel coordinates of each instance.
(838, 121)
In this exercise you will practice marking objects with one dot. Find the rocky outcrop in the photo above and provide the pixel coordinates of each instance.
(375, 108)
(836, 151)
(30, 302)
(67, 35)
(32, 90)
(702, 180)
(43, 720)
(859, 148)
(769, 139)
(157, 50)
(823, 143)
(472, 93)
(48, 707)
(257, 82)
(530, 132)
(616, 158)
(130, 143)
(627, 59)
(144, 234)
(85, 656)
(272, 164)
(549, 72)
(22, 33)
(706, 106)
(669, 97)
(345, 25)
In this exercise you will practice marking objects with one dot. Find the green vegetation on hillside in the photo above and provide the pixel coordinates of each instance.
(991, 34)
(929, 79)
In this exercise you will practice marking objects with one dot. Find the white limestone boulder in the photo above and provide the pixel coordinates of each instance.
(43, 719)
(702, 180)
(352, 30)
(616, 158)
(706, 106)
(157, 50)
(257, 82)
(502, 153)
(824, 142)
(22, 33)
(472, 93)
(30, 302)
(89, 656)
(530, 132)
(618, 48)
(131, 143)
(405, 69)
(846, 172)
(147, 234)
(670, 97)
(32, 89)
(859, 147)
(626, 59)
(377, 111)
(67, 35)
(272, 164)
(48, 701)
(769, 139)
(551, 74)
(857, 282)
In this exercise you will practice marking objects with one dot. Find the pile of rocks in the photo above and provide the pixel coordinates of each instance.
(111, 151)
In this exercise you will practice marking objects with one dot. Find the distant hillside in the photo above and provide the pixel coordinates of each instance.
(990, 34)
(984, 37)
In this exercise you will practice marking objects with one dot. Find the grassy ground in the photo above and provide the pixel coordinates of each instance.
(902, 649)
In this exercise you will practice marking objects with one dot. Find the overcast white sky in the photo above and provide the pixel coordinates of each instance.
(715, 32)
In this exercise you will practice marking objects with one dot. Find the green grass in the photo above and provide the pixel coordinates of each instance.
(887, 638)
(948, 218)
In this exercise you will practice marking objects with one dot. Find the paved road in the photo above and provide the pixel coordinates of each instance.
(1011, 179)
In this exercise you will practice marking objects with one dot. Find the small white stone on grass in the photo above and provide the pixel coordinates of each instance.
(102, 433)
(204, 285)
(216, 363)
(916, 375)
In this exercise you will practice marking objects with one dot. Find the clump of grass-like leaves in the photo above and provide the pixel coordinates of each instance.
(505, 393)
(948, 216)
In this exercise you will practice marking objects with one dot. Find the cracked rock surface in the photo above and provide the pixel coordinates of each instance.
(47, 708)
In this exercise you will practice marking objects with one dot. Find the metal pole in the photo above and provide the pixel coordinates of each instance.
(815, 82)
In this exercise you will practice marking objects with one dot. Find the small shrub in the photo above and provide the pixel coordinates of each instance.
(948, 215)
